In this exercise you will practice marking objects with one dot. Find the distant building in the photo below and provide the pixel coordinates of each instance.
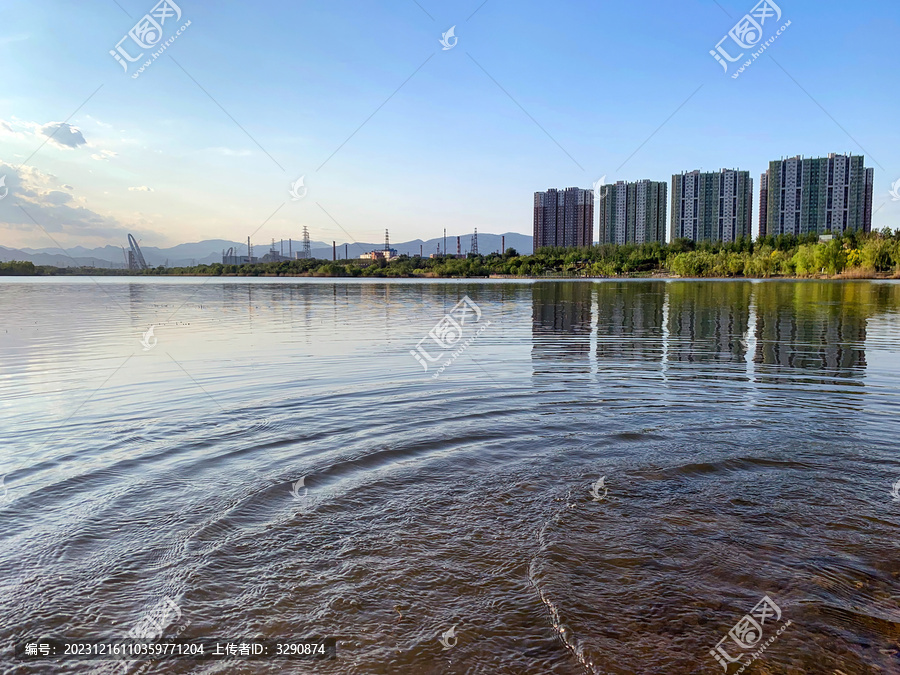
(563, 218)
(239, 260)
(274, 256)
(389, 254)
(230, 257)
(632, 213)
(712, 206)
(815, 195)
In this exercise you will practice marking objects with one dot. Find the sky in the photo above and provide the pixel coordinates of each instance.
(389, 129)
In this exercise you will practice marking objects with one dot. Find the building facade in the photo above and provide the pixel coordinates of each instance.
(816, 195)
(763, 203)
(633, 213)
(712, 206)
(563, 218)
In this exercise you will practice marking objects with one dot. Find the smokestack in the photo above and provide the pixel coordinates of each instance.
(282, 248)
(420, 251)
(458, 249)
(502, 244)
(333, 249)
(249, 251)
(445, 241)
(346, 255)
(290, 242)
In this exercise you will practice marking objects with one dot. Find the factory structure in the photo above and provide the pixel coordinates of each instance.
(285, 251)
(443, 253)
(232, 257)
(387, 253)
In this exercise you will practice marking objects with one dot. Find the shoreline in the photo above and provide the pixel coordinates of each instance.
(856, 275)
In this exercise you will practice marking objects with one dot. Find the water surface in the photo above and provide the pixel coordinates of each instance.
(746, 433)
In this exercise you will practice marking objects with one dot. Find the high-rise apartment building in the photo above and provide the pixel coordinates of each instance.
(763, 203)
(633, 213)
(712, 206)
(819, 194)
(563, 218)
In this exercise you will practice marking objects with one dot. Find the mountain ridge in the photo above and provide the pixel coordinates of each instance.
(210, 250)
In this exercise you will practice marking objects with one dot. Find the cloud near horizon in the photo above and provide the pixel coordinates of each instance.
(141, 188)
(38, 203)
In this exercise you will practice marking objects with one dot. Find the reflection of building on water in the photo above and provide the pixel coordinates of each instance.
(749, 329)
(708, 321)
(629, 317)
(812, 326)
(561, 325)
(653, 321)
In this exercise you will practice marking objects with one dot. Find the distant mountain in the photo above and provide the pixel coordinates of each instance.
(210, 251)
(56, 259)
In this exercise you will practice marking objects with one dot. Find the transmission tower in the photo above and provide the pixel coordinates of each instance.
(475, 242)
(307, 250)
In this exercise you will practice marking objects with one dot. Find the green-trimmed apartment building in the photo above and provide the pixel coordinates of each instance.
(712, 206)
(821, 194)
(632, 213)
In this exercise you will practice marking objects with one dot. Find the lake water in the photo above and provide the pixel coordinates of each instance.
(746, 434)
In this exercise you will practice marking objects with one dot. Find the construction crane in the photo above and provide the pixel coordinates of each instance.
(134, 256)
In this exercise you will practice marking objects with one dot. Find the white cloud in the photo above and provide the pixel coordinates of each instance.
(36, 204)
(99, 123)
(63, 135)
(104, 154)
(7, 129)
(142, 188)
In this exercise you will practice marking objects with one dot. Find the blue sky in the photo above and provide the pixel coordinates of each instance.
(533, 95)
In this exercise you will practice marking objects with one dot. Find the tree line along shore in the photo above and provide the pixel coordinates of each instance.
(851, 255)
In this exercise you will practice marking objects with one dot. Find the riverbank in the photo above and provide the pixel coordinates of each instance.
(851, 256)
